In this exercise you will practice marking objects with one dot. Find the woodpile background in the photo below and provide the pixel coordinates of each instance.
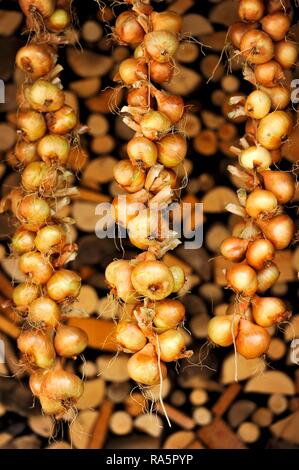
(207, 408)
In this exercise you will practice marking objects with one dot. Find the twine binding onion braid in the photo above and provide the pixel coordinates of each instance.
(263, 42)
(151, 326)
(48, 136)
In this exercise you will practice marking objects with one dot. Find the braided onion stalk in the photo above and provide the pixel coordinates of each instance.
(262, 39)
(48, 131)
(151, 327)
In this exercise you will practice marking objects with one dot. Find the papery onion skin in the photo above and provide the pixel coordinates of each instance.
(70, 341)
(257, 47)
(64, 285)
(127, 28)
(161, 45)
(259, 252)
(167, 21)
(129, 336)
(62, 385)
(223, 329)
(255, 157)
(276, 25)
(274, 129)
(44, 311)
(267, 277)
(143, 366)
(153, 279)
(286, 53)
(280, 230)
(172, 150)
(268, 311)
(253, 340)
(234, 249)
(171, 345)
(237, 31)
(269, 74)
(37, 347)
(281, 183)
(44, 7)
(169, 313)
(251, 10)
(242, 279)
(258, 104)
(24, 294)
(35, 59)
(260, 201)
(45, 96)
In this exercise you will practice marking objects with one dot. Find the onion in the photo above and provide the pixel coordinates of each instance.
(50, 239)
(258, 104)
(129, 336)
(171, 106)
(223, 329)
(172, 150)
(127, 28)
(44, 7)
(167, 21)
(142, 152)
(36, 59)
(234, 249)
(35, 382)
(143, 366)
(255, 157)
(171, 345)
(268, 311)
(24, 294)
(36, 266)
(257, 47)
(33, 212)
(118, 275)
(22, 241)
(165, 178)
(252, 340)
(43, 311)
(161, 45)
(153, 279)
(237, 31)
(32, 125)
(279, 95)
(77, 159)
(154, 125)
(259, 202)
(251, 10)
(37, 347)
(125, 208)
(59, 20)
(70, 341)
(45, 97)
(62, 121)
(61, 385)
(148, 227)
(179, 278)
(276, 25)
(141, 54)
(132, 70)
(279, 230)
(242, 279)
(37, 176)
(140, 97)
(278, 5)
(280, 183)
(273, 129)
(259, 252)
(169, 313)
(161, 72)
(52, 407)
(64, 285)
(129, 177)
(286, 53)
(269, 74)
(54, 148)
(267, 277)
(26, 152)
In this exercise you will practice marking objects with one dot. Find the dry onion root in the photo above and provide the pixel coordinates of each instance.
(41, 240)
(151, 331)
(262, 41)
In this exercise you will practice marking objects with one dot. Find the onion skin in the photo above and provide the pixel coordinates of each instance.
(142, 152)
(259, 252)
(169, 313)
(167, 21)
(32, 124)
(255, 158)
(273, 129)
(161, 72)
(44, 7)
(242, 279)
(276, 25)
(24, 294)
(161, 45)
(130, 337)
(127, 28)
(251, 10)
(253, 340)
(153, 279)
(281, 183)
(143, 366)
(22, 241)
(70, 341)
(36, 266)
(64, 285)
(37, 60)
(257, 47)
(280, 230)
(61, 385)
(234, 249)
(259, 202)
(37, 347)
(222, 329)
(172, 150)
(267, 277)
(45, 97)
(237, 31)
(258, 104)
(286, 53)
(269, 74)
(171, 345)
(268, 311)
(43, 311)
